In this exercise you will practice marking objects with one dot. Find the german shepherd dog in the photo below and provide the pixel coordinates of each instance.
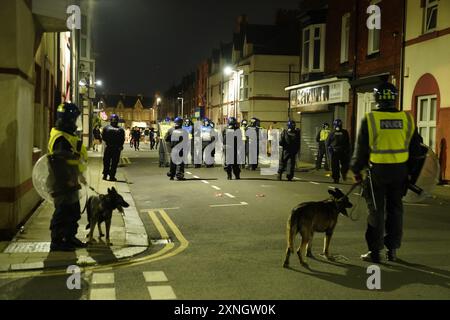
(314, 216)
(100, 208)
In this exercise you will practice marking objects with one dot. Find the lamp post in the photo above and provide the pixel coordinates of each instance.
(158, 102)
(85, 82)
(182, 105)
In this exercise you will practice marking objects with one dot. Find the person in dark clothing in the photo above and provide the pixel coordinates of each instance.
(322, 152)
(231, 148)
(136, 134)
(97, 137)
(339, 150)
(388, 144)
(176, 170)
(188, 126)
(152, 138)
(290, 142)
(114, 137)
(253, 140)
(67, 161)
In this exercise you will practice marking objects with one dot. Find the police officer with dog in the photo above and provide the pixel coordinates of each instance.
(339, 150)
(290, 142)
(387, 144)
(174, 137)
(114, 137)
(231, 149)
(67, 161)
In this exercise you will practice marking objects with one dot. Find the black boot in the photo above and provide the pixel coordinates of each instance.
(229, 176)
(391, 255)
(371, 256)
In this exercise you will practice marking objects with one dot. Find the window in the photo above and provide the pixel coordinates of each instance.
(313, 48)
(373, 45)
(426, 120)
(345, 37)
(243, 87)
(431, 9)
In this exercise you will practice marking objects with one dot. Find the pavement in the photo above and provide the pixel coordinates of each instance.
(30, 248)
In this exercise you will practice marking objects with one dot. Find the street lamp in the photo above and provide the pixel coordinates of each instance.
(182, 105)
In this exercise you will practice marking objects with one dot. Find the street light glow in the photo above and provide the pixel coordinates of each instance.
(99, 83)
(158, 100)
(228, 70)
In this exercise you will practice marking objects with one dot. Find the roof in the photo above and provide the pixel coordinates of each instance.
(267, 39)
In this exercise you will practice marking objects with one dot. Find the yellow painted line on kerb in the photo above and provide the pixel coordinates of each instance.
(158, 225)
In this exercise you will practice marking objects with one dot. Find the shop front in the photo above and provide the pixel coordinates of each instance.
(315, 103)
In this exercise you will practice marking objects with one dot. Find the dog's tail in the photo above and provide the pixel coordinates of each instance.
(290, 233)
(88, 211)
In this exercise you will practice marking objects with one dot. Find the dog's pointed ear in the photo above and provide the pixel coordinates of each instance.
(109, 190)
(332, 192)
(113, 190)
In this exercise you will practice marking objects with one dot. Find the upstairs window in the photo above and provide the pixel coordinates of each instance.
(243, 87)
(313, 48)
(431, 10)
(345, 37)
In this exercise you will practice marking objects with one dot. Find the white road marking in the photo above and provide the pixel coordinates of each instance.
(188, 172)
(314, 182)
(103, 278)
(215, 187)
(229, 195)
(196, 177)
(103, 294)
(416, 204)
(204, 181)
(155, 276)
(229, 205)
(295, 178)
(161, 292)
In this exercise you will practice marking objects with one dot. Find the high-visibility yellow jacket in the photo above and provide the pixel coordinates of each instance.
(389, 136)
(324, 133)
(79, 151)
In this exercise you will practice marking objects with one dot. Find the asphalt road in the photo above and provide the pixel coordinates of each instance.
(228, 242)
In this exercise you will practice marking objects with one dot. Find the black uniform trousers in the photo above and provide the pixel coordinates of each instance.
(385, 224)
(176, 170)
(110, 161)
(64, 223)
(340, 163)
(322, 152)
(287, 162)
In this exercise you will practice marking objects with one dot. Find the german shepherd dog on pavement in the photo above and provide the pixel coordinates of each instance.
(100, 208)
(314, 216)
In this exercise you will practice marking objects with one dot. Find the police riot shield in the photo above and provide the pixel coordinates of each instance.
(43, 180)
(425, 178)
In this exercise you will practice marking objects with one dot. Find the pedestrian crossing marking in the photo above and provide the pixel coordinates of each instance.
(103, 278)
(161, 292)
(155, 276)
(103, 294)
(215, 187)
(229, 195)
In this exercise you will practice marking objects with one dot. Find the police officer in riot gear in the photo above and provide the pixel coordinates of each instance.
(339, 149)
(67, 161)
(243, 127)
(253, 140)
(321, 138)
(290, 142)
(114, 137)
(207, 138)
(176, 170)
(188, 126)
(386, 141)
(231, 149)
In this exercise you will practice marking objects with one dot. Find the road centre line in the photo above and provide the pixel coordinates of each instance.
(229, 195)
(188, 172)
(216, 187)
(314, 182)
(229, 205)
(204, 181)
(196, 177)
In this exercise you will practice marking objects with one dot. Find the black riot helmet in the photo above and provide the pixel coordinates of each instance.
(187, 122)
(114, 120)
(244, 123)
(385, 95)
(232, 123)
(66, 117)
(254, 122)
(178, 122)
(291, 124)
(325, 125)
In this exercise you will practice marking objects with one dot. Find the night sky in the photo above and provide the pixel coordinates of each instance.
(144, 46)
